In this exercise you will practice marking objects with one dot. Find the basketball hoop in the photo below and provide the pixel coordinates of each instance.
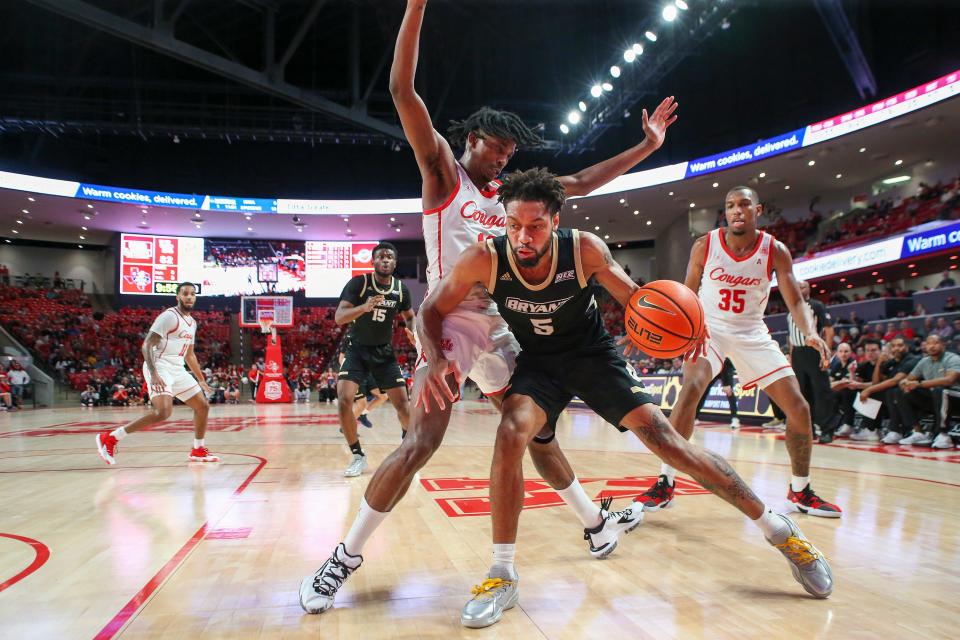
(265, 318)
(266, 325)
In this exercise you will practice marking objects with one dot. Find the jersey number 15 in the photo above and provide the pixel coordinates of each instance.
(732, 300)
(379, 315)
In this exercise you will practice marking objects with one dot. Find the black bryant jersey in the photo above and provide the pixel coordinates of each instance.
(375, 327)
(556, 316)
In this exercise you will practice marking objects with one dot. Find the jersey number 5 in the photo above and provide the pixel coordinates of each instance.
(379, 315)
(732, 300)
(542, 326)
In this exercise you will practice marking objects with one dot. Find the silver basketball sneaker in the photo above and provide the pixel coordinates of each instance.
(808, 564)
(490, 599)
(357, 466)
(603, 538)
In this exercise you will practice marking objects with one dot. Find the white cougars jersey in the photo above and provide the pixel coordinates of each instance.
(734, 291)
(177, 333)
(470, 215)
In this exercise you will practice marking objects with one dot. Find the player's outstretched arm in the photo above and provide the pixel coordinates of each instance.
(474, 266)
(597, 261)
(433, 153)
(790, 291)
(655, 129)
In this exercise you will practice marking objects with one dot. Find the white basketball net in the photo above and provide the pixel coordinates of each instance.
(265, 319)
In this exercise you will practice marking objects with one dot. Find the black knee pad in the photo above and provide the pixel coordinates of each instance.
(545, 439)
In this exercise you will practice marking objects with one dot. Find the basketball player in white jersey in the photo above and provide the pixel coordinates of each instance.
(167, 347)
(460, 209)
(732, 268)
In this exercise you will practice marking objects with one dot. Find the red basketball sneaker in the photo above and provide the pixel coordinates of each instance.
(201, 454)
(659, 496)
(807, 501)
(106, 447)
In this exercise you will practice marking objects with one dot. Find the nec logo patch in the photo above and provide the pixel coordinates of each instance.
(564, 276)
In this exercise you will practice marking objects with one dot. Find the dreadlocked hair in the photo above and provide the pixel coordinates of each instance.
(533, 185)
(487, 121)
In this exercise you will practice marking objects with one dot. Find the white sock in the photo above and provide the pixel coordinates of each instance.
(119, 434)
(197, 443)
(364, 525)
(798, 483)
(577, 499)
(773, 527)
(668, 471)
(503, 555)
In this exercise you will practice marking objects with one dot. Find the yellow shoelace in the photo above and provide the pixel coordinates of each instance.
(488, 586)
(800, 551)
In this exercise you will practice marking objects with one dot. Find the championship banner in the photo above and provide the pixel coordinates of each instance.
(752, 403)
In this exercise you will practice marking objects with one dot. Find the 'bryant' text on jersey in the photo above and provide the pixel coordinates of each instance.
(524, 306)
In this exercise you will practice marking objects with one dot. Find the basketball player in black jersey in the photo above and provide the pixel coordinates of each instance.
(538, 275)
(371, 301)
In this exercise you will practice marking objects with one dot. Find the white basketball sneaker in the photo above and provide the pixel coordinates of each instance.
(603, 538)
(317, 591)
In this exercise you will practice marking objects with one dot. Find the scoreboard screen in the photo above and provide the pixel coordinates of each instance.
(154, 265)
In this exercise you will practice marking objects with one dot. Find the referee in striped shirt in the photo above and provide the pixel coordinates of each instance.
(811, 371)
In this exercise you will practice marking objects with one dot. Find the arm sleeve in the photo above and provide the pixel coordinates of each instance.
(351, 291)
(406, 303)
(164, 324)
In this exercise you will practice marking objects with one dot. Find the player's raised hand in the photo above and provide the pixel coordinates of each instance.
(655, 126)
(435, 385)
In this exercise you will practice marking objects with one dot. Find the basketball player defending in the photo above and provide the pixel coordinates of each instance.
(567, 352)
(369, 303)
(461, 209)
(167, 347)
(732, 269)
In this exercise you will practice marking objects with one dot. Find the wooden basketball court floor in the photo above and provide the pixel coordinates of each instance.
(157, 547)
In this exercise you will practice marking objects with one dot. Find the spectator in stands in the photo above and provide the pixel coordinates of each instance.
(947, 281)
(4, 275)
(907, 331)
(891, 332)
(57, 280)
(873, 294)
(927, 326)
(89, 397)
(842, 368)
(6, 398)
(925, 387)
(943, 329)
(19, 379)
(300, 392)
(328, 388)
(121, 397)
(895, 364)
(919, 310)
(232, 394)
(216, 390)
(865, 428)
(951, 304)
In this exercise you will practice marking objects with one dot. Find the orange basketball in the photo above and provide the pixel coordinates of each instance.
(664, 319)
